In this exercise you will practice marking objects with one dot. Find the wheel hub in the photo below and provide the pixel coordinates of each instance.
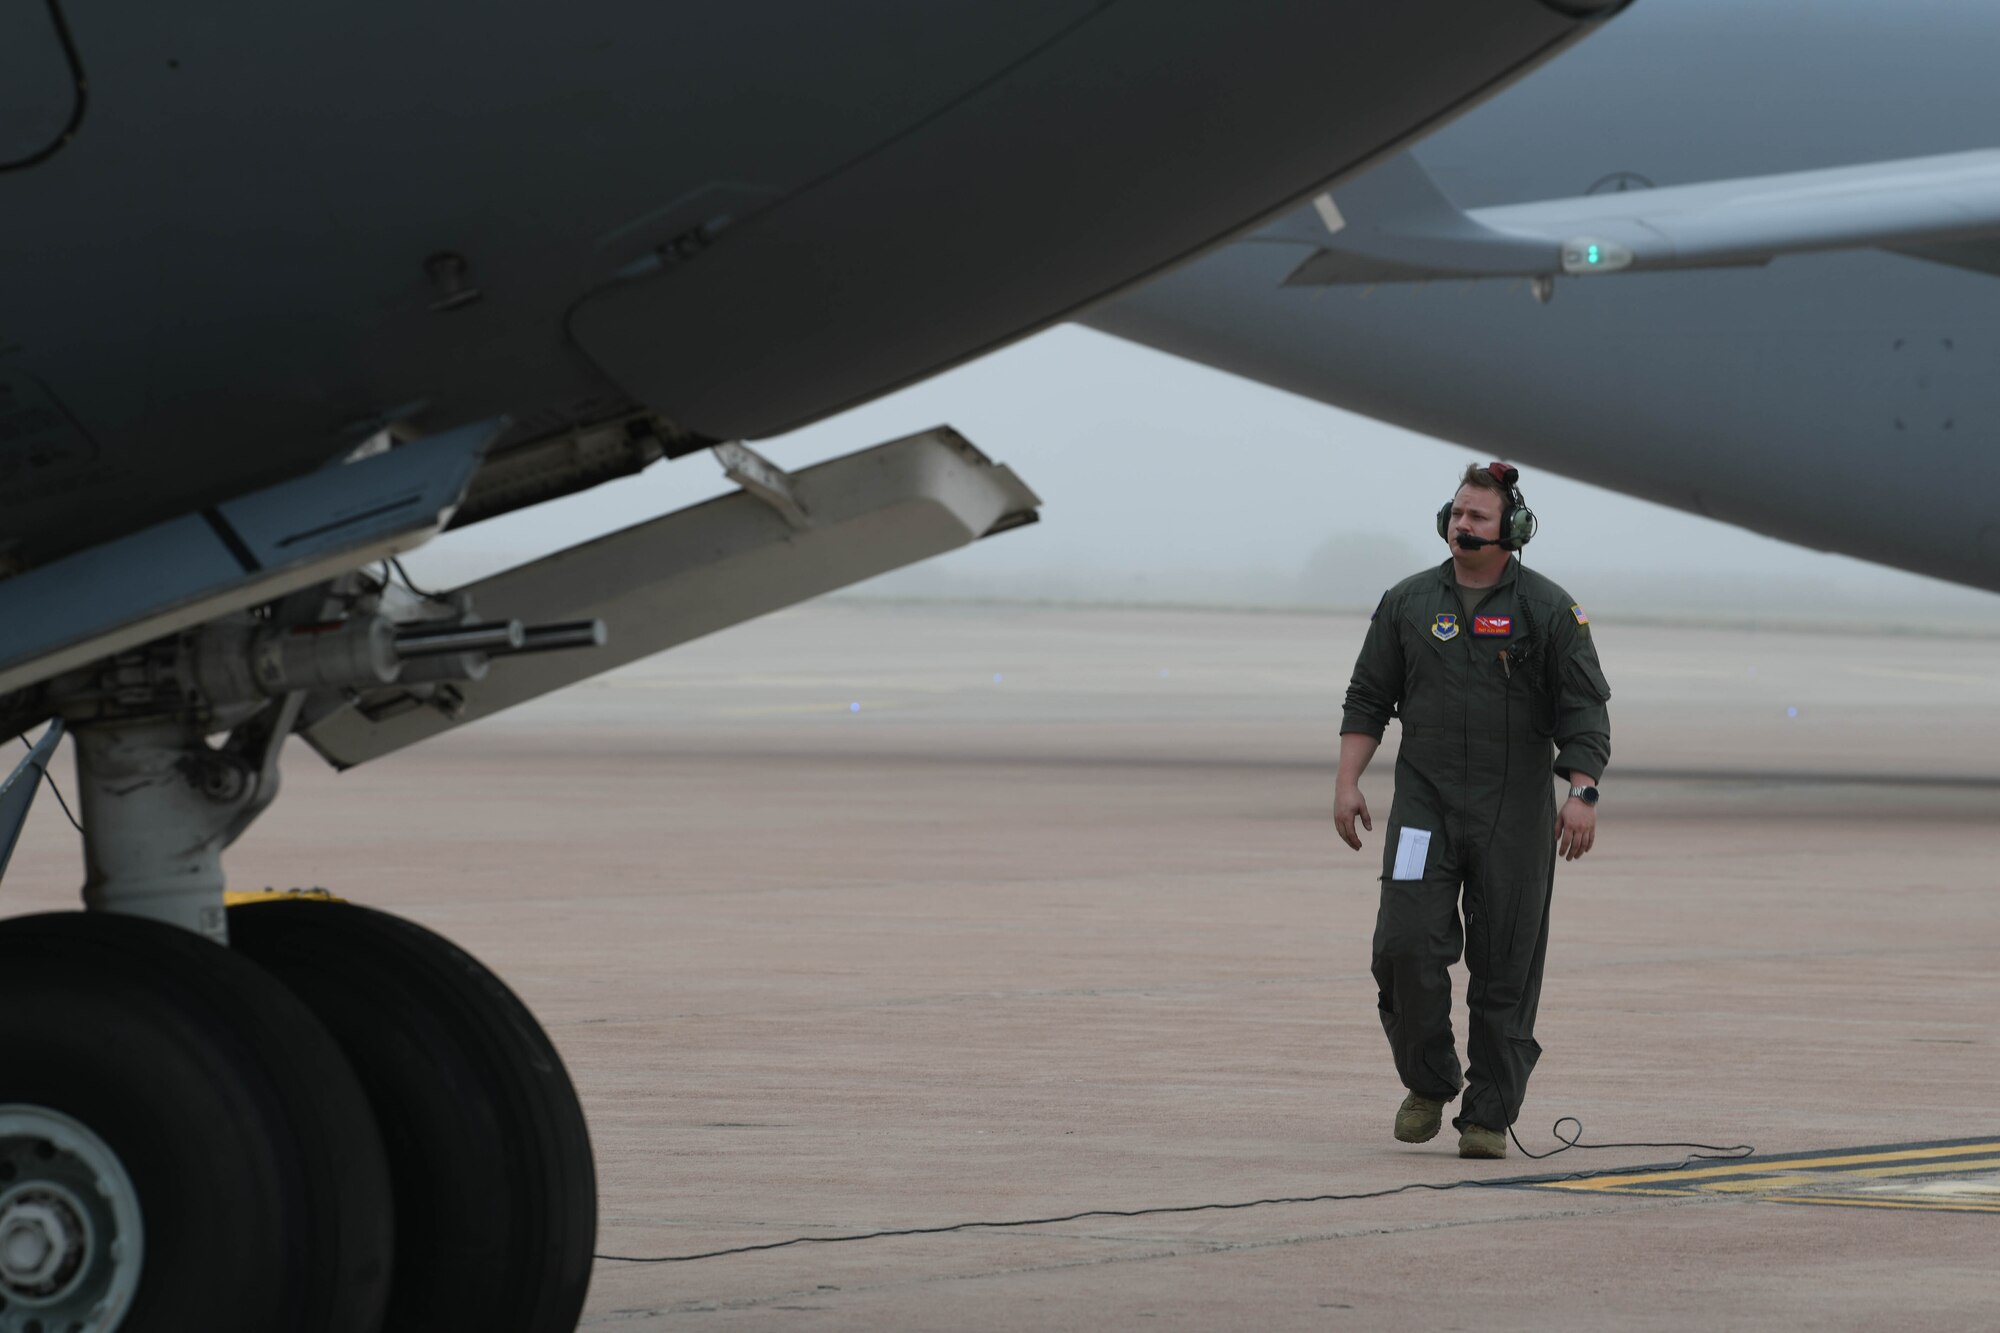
(71, 1245)
(44, 1241)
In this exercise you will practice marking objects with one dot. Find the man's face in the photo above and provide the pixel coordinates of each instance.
(1475, 511)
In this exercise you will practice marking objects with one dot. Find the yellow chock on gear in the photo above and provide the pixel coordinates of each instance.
(236, 897)
(1479, 1141)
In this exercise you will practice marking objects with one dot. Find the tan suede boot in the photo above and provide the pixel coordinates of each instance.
(1418, 1118)
(1479, 1141)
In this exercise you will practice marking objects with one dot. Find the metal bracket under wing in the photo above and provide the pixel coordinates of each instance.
(236, 554)
(714, 565)
(763, 479)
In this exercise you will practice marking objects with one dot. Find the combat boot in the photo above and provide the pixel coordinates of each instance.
(1418, 1118)
(1479, 1141)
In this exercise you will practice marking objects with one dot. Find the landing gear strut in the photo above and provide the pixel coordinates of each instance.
(159, 805)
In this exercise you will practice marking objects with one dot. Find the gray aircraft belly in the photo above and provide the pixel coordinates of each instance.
(1842, 401)
(738, 219)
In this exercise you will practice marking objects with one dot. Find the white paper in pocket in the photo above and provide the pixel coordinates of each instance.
(1411, 849)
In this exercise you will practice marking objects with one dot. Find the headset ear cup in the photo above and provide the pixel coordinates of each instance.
(1444, 520)
(1521, 527)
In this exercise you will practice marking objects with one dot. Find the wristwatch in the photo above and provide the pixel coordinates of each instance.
(1588, 795)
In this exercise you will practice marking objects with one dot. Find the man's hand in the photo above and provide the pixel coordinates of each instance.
(1576, 828)
(1348, 803)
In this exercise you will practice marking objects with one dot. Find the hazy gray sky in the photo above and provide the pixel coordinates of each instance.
(1163, 480)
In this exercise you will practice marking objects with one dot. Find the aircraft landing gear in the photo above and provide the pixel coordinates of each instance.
(496, 1203)
(341, 1123)
(292, 1115)
(182, 1145)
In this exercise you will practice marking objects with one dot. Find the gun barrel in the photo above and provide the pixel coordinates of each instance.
(492, 636)
(564, 635)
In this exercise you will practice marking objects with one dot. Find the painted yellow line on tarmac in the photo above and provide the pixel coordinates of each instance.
(1941, 1155)
(1874, 1173)
(1747, 1185)
(1910, 1205)
(1930, 1200)
(1939, 1178)
(1932, 1167)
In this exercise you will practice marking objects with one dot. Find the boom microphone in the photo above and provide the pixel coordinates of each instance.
(1465, 541)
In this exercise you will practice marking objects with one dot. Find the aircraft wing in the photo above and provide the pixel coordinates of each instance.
(1395, 225)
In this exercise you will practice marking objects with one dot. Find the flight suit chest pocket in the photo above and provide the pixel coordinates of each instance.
(1434, 631)
(1433, 649)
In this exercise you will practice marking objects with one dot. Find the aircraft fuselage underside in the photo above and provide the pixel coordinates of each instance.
(271, 237)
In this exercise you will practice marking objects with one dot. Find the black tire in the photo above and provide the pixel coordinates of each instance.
(260, 1178)
(496, 1194)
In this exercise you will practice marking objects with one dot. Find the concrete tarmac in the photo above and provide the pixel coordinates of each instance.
(869, 917)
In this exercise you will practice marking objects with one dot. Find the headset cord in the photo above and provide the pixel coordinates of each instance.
(1699, 1152)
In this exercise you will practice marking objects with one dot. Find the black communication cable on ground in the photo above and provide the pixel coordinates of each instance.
(80, 97)
(1700, 1152)
(44, 771)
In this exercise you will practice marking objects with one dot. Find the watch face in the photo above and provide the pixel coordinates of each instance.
(1589, 795)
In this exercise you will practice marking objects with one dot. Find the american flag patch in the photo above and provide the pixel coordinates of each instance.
(1578, 612)
(1493, 626)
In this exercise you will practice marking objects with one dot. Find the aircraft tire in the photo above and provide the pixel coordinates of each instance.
(496, 1193)
(185, 1133)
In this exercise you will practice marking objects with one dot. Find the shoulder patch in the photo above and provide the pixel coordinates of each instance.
(1582, 617)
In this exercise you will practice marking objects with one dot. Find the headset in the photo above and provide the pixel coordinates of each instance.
(1518, 524)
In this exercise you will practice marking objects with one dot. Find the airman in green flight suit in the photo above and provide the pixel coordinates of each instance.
(1491, 670)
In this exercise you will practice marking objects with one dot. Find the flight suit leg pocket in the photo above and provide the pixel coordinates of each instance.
(1523, 1054)
(1527, 1053)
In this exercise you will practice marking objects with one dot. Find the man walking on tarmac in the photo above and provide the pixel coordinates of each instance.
(1491, 669)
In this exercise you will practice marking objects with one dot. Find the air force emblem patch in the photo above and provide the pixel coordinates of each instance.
(1446, 627)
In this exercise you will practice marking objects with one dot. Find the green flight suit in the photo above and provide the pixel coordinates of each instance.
(1495, 687)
